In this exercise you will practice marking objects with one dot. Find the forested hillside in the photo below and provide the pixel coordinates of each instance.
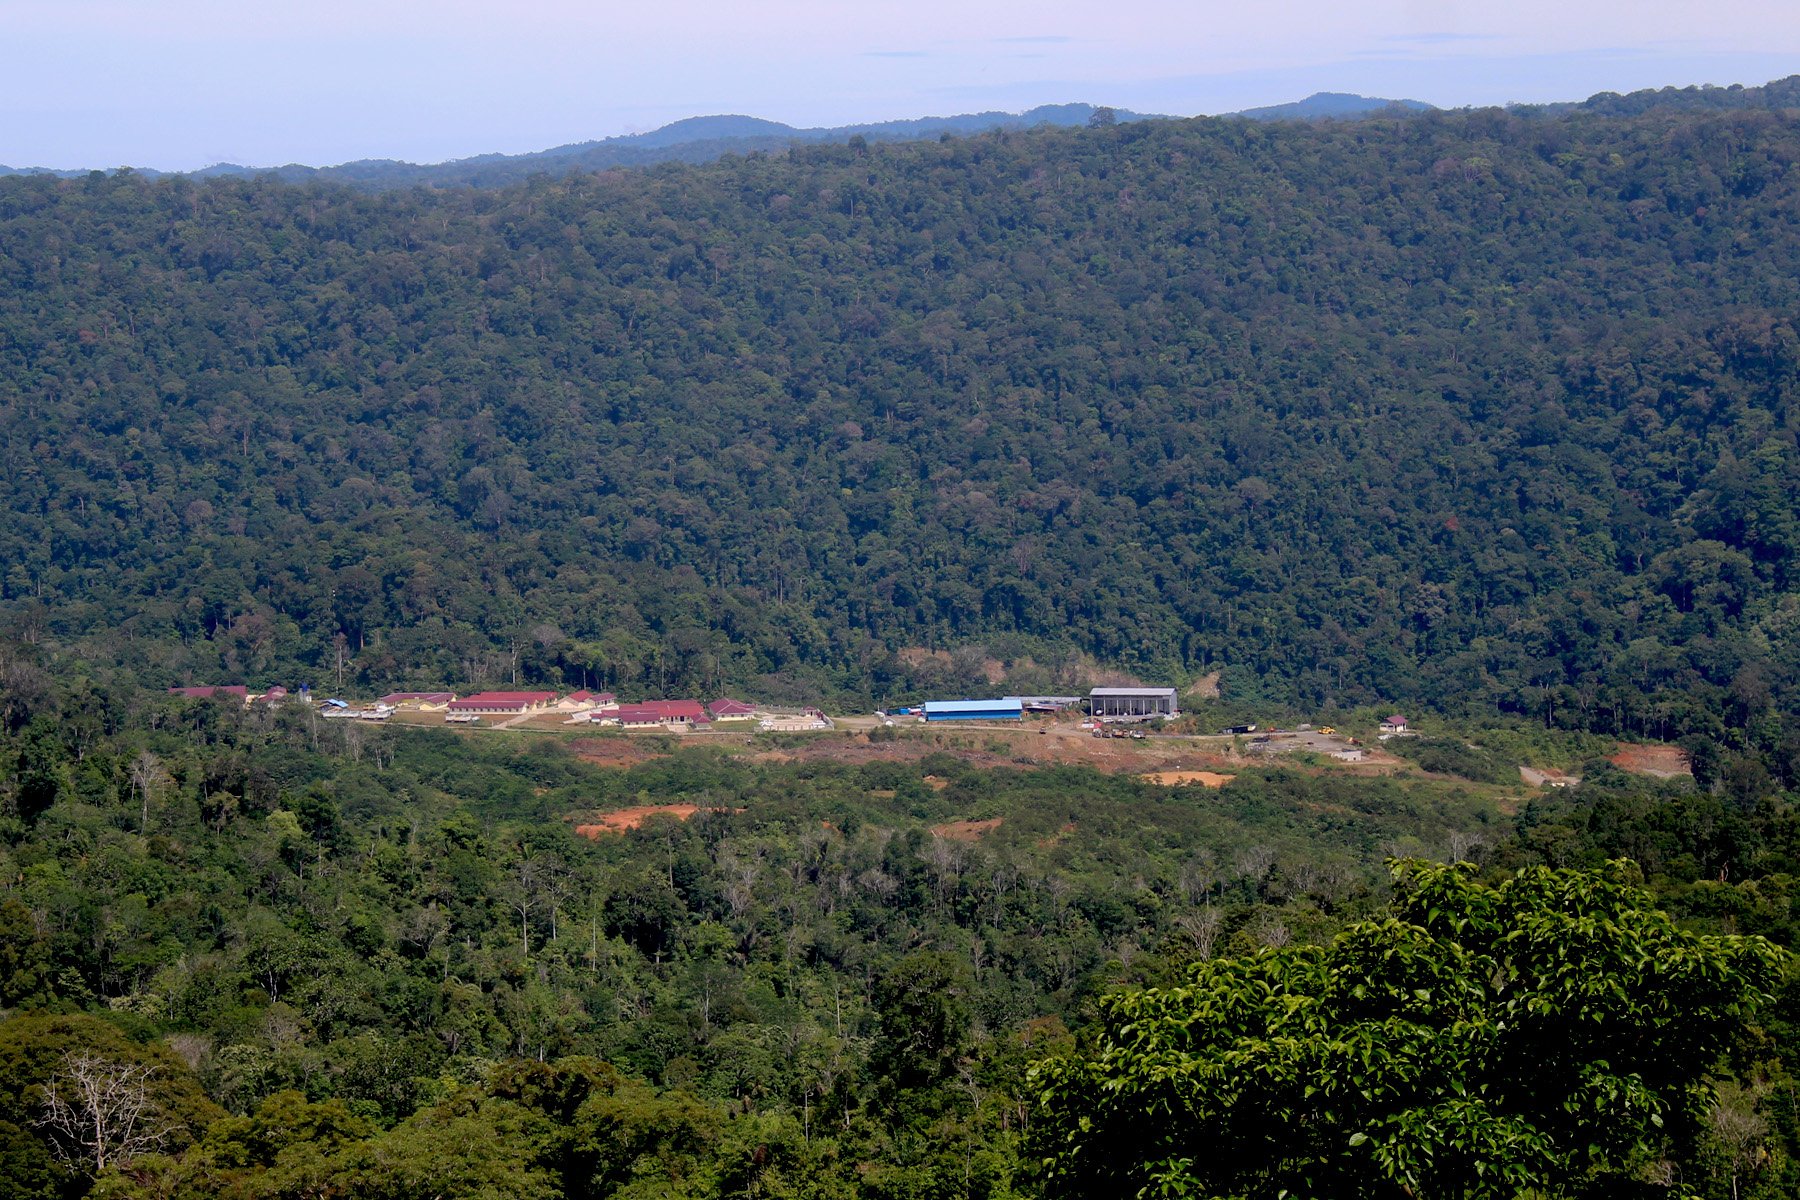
(1469, 409)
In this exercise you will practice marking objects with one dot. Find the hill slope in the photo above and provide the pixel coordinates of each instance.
(1467, 408)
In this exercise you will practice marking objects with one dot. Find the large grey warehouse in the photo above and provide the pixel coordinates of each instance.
(1112, 703)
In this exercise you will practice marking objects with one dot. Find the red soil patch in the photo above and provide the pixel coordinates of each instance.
(1211, 779)
(630, 818)
(966, 831)
(1664, 762)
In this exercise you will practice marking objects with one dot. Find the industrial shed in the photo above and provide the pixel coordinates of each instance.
(1008, 708)
(1115, 703)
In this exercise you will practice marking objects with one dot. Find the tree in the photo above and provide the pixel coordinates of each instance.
(923, 1004)
(147, 778)
(102, 1113)
(1547, 1034)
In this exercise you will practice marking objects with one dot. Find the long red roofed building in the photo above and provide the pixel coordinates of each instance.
(657, 712)
(503, 703)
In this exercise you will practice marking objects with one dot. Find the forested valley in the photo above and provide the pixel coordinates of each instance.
(1474, 410)
(1487, 415)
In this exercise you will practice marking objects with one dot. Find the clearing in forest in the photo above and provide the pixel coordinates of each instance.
(1662, 762)
(1211, 779)
(630, 818)
(966, 831)
(617, 751)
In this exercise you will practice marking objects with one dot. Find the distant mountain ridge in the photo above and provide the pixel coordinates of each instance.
(690, 140)
(1340, 106)
(706, 138)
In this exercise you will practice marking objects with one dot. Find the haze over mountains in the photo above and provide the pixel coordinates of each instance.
(691, 140)
(702, 139)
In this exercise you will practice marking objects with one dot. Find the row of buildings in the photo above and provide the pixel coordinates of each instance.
(1103, 703)
(605, 708)
(598, 708)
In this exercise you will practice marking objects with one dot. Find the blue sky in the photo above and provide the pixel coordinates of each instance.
(178, 84)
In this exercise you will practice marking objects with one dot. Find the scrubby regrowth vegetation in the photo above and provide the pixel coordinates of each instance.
(337, 962)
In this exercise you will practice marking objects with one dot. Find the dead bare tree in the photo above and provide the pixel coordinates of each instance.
(1203, 927)
(147, 778)
(522, 897)
(1461, 845)
(1740, 1131)
(102, 1113)
(1268, 930)
(1198, 875)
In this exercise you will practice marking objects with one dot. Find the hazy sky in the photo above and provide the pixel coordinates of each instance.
(178, 84)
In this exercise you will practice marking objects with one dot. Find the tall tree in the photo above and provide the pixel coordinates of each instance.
(1545, 1035)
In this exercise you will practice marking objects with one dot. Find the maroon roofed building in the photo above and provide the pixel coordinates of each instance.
(679, 710)
(1394, 724)
(660, 712)
(396, 699)
(724, 708)
(503, 702)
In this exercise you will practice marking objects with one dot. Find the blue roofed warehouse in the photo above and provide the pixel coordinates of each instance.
(1010, 708)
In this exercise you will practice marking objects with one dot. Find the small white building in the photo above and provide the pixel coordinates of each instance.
(1394, 724)
(1125, 703)
(805, 722)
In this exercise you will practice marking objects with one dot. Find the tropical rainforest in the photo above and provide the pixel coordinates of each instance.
(1473, 410)
(1491, 415)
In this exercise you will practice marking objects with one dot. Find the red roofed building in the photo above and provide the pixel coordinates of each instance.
(724, 709)
(1394, 724)
(659, 712)
(503, 703)
(427, 700)
(634, 716)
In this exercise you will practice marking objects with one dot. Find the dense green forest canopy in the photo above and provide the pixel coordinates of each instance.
(1473, 409)
(1545, 1037)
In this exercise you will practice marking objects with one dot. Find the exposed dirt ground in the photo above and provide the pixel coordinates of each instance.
(630, 818)
(1539, 776)
(617, 751)
(1663, 762)
(966, 831)
(1033, 744)
(1211, 779)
